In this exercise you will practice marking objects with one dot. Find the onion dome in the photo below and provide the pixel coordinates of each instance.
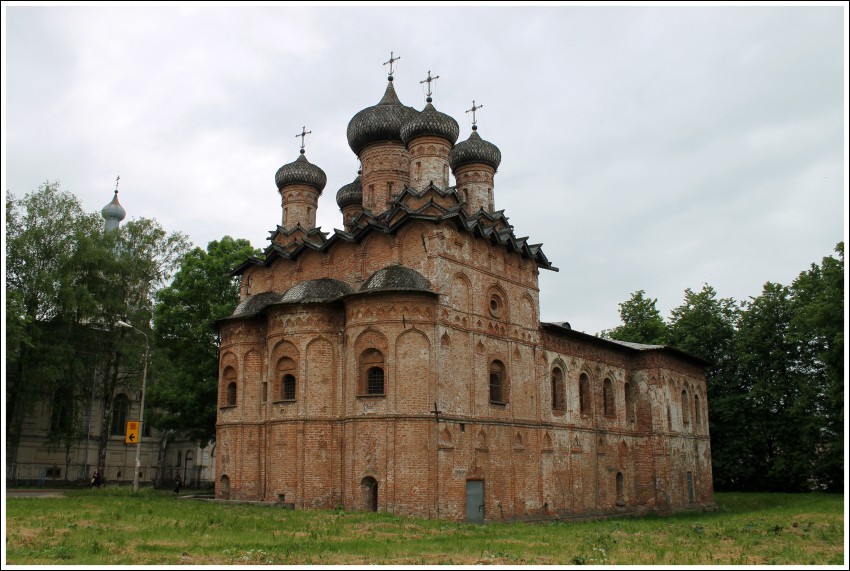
(113, 212)
(301, 171)
(396, 277)
(430, 122)
(381, 122)
(350, 194)
(316, 291)
(475, 150)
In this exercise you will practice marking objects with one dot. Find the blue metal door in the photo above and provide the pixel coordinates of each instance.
(475, 501)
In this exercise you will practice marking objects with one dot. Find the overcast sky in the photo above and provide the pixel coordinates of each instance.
(647, 148)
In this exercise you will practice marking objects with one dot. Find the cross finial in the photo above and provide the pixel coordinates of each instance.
(428, 80)
(473, 110)
(304, 132)
(117, 178)
(391, 62)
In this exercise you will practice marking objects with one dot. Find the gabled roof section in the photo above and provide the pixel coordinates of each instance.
(431, 204)
(286, 238)
(563, 329)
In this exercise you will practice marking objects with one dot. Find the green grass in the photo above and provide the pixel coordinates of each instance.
(113, 526)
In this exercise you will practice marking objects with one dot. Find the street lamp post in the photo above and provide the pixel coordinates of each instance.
(141, 407)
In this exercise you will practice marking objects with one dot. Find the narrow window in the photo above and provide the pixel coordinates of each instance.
(288, 388)
(630, 402)
(229, 396)
(62, 413)
(584, 394)
(608, 398)
(120, 409)
(558, 389)
(265, 391)
(697, 416)
(498, 393)
(686, 417)
(621, 500)
(231, 393)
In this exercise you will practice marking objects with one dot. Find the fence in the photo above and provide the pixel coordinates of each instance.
(34, 474)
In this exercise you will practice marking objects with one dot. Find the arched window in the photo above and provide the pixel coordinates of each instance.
(584, 394)
(608, 398)
(285, 389)
(120, 410)
(498, 392)
(630, 402)
(686, 417)
(372, 381)
(697, 416)
(559, 394)
(229, 396)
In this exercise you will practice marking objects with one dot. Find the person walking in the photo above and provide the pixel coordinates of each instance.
(95, 479)
(178, 483)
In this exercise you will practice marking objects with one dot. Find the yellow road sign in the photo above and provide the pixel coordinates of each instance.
(132, 434)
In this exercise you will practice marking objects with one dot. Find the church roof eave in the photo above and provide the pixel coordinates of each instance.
(500, 233)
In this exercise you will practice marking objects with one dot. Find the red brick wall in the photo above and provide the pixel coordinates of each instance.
(535, 462)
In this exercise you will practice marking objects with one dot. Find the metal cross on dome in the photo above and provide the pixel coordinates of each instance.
(304, 132)
(473, 110)
(391, 62)
(428, 80)
(117, 178)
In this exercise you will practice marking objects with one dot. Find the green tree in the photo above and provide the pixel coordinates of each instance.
(185, 394)
(782, 420)
(817, 330)
(642, 323)
(45, 357)
(705, 326)
(69, 282)
(132, 263)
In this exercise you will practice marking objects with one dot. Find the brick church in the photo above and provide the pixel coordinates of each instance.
(400, 364)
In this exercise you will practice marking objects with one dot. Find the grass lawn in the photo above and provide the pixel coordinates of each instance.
(113, 526)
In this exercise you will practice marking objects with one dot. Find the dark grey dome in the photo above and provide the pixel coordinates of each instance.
(313, 291)
(475, 150)
(256, 303)
(301, 171)
(430, 122)
(381, 122)
(396, 277)
(350, 194)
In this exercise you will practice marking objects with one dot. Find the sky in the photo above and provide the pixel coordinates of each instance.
(655, 148)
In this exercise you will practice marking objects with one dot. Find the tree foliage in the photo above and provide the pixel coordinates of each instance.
(642, 322)
(185, 394)
(69, 281)
(775, 383)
